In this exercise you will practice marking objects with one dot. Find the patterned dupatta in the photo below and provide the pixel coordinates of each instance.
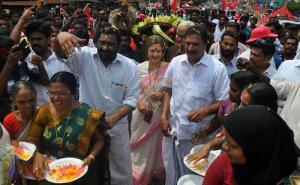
(154, 78)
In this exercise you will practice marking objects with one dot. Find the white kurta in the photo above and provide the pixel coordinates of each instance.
(107, 88)
(218, 33)
(193, 87)
(290, 93)
(289, 70)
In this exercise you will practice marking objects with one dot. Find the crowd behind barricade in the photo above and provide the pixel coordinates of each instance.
(131, 92)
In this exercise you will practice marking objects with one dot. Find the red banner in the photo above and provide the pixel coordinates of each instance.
(230, 4)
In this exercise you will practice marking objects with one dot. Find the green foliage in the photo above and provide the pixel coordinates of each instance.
(294, 6)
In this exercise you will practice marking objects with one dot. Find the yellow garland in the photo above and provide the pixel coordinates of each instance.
(162, 19)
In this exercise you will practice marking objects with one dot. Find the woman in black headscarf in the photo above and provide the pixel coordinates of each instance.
(260, 147)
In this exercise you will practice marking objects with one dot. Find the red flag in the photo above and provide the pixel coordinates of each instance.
(223, 5)
(173, 5)
(132, 44)
(86, 12)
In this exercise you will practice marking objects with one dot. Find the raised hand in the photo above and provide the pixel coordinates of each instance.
(14, 56)
(27, 14)
(243, 64)
(37, 60)
(68, 42)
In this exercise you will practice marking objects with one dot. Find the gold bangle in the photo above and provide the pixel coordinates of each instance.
(91, 156)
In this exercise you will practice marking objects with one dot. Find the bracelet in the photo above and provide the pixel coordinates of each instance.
(92, 157)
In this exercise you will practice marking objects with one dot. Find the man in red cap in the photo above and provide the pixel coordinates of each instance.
(261, 32)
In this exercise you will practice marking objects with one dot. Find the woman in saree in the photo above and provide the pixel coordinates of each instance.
(146, 138)
(66, 128)
(7, 158)
(17, 123)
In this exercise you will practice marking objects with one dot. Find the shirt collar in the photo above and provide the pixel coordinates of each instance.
(49, 59)
(94, 52)
(204, 60)
(232, 61)
(270, 71)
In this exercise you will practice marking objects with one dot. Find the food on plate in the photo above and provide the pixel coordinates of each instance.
(66, 173)
(21, 153)
(201, 165)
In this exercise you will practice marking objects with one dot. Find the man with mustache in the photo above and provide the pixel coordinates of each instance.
(108, 81)
(42, 61)
(194, 85)
(39, 38)
(230, 27)
(290, 46)
(228, 46)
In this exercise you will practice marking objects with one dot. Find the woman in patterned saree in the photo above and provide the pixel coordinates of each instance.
(7, 158)
(66, 128)
(146, 138)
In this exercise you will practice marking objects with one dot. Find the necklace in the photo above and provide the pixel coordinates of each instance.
(157, 70)
(60, 140)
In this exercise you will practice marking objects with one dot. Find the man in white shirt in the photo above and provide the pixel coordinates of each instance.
(230, 27)
(228, 46)
(261, 32)
(220, 28)
(39, 35)
(260, 56)
(108, 81)
(289, 70)
(194, 85)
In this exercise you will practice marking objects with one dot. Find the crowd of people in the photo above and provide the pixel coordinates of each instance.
(132, 92)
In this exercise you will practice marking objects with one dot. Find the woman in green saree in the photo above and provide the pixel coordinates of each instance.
(66, 128)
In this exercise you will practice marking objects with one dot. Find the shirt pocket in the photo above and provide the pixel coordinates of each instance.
(200, 90)
(117, 92)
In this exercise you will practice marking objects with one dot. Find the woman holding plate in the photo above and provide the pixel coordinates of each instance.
(146, 138)
(259, 150)
(66, 128)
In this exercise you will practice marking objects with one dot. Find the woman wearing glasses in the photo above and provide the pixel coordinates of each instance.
(66, 128)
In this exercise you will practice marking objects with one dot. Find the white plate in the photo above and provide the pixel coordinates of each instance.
(64, 161)
(28, 147)
(195, 148)
(190, 179)
(211, 157)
